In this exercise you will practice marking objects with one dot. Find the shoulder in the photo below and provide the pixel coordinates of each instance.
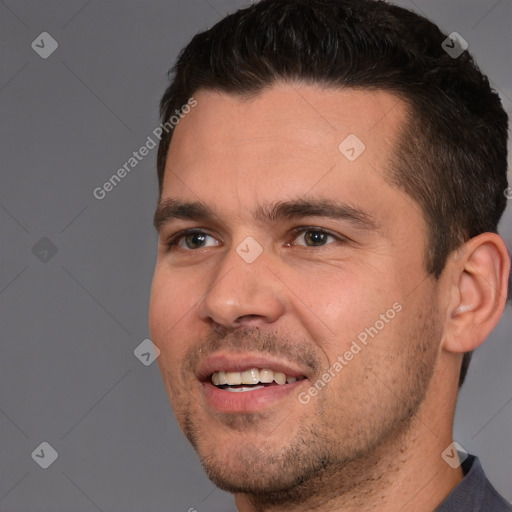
(475, 493)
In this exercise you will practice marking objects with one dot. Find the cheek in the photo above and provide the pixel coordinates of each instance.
(171, 305)
(341, 302)
(171, 301)
(167, 313)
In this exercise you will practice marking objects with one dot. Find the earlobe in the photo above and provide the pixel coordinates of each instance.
(479, 292)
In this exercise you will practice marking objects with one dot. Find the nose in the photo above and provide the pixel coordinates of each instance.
(243, 293)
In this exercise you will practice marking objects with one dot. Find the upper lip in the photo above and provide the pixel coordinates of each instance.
(239, 362)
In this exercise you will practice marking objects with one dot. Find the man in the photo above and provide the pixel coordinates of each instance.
(328, 255)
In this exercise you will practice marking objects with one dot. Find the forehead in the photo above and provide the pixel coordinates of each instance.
(289, 141)
(310, 117)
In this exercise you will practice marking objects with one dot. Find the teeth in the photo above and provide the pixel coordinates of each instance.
(266, 376)
(233, 378)
(243, 390)
(280, 378)
(252, 376)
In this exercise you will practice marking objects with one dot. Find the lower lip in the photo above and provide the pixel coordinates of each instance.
(247, 401)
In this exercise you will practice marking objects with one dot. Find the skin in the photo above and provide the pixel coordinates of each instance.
(373, 437)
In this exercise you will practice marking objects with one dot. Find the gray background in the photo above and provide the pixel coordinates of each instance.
(70, 324)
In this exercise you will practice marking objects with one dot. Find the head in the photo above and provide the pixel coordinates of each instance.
(284, 92)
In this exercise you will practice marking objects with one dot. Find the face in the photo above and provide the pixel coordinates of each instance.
(298, 328)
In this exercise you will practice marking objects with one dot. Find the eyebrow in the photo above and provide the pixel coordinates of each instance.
(170, 209)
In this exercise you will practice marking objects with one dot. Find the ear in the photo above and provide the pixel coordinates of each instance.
(478, 292)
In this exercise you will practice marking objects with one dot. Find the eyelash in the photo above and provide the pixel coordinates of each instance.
(175, 239)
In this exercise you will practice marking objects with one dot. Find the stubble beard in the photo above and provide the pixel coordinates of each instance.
(322, 460)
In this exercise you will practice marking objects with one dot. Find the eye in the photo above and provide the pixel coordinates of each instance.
(314, 237)
(190, 239)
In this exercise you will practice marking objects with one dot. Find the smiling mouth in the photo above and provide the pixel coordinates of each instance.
(251, 380)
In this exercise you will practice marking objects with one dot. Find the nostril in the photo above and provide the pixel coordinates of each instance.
(246, 318)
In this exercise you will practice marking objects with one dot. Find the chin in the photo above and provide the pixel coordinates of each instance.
(241, 478)
(268, 482)
(256, 464)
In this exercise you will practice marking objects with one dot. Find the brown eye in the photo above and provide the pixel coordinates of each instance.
(314, 237)
(191, 239)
